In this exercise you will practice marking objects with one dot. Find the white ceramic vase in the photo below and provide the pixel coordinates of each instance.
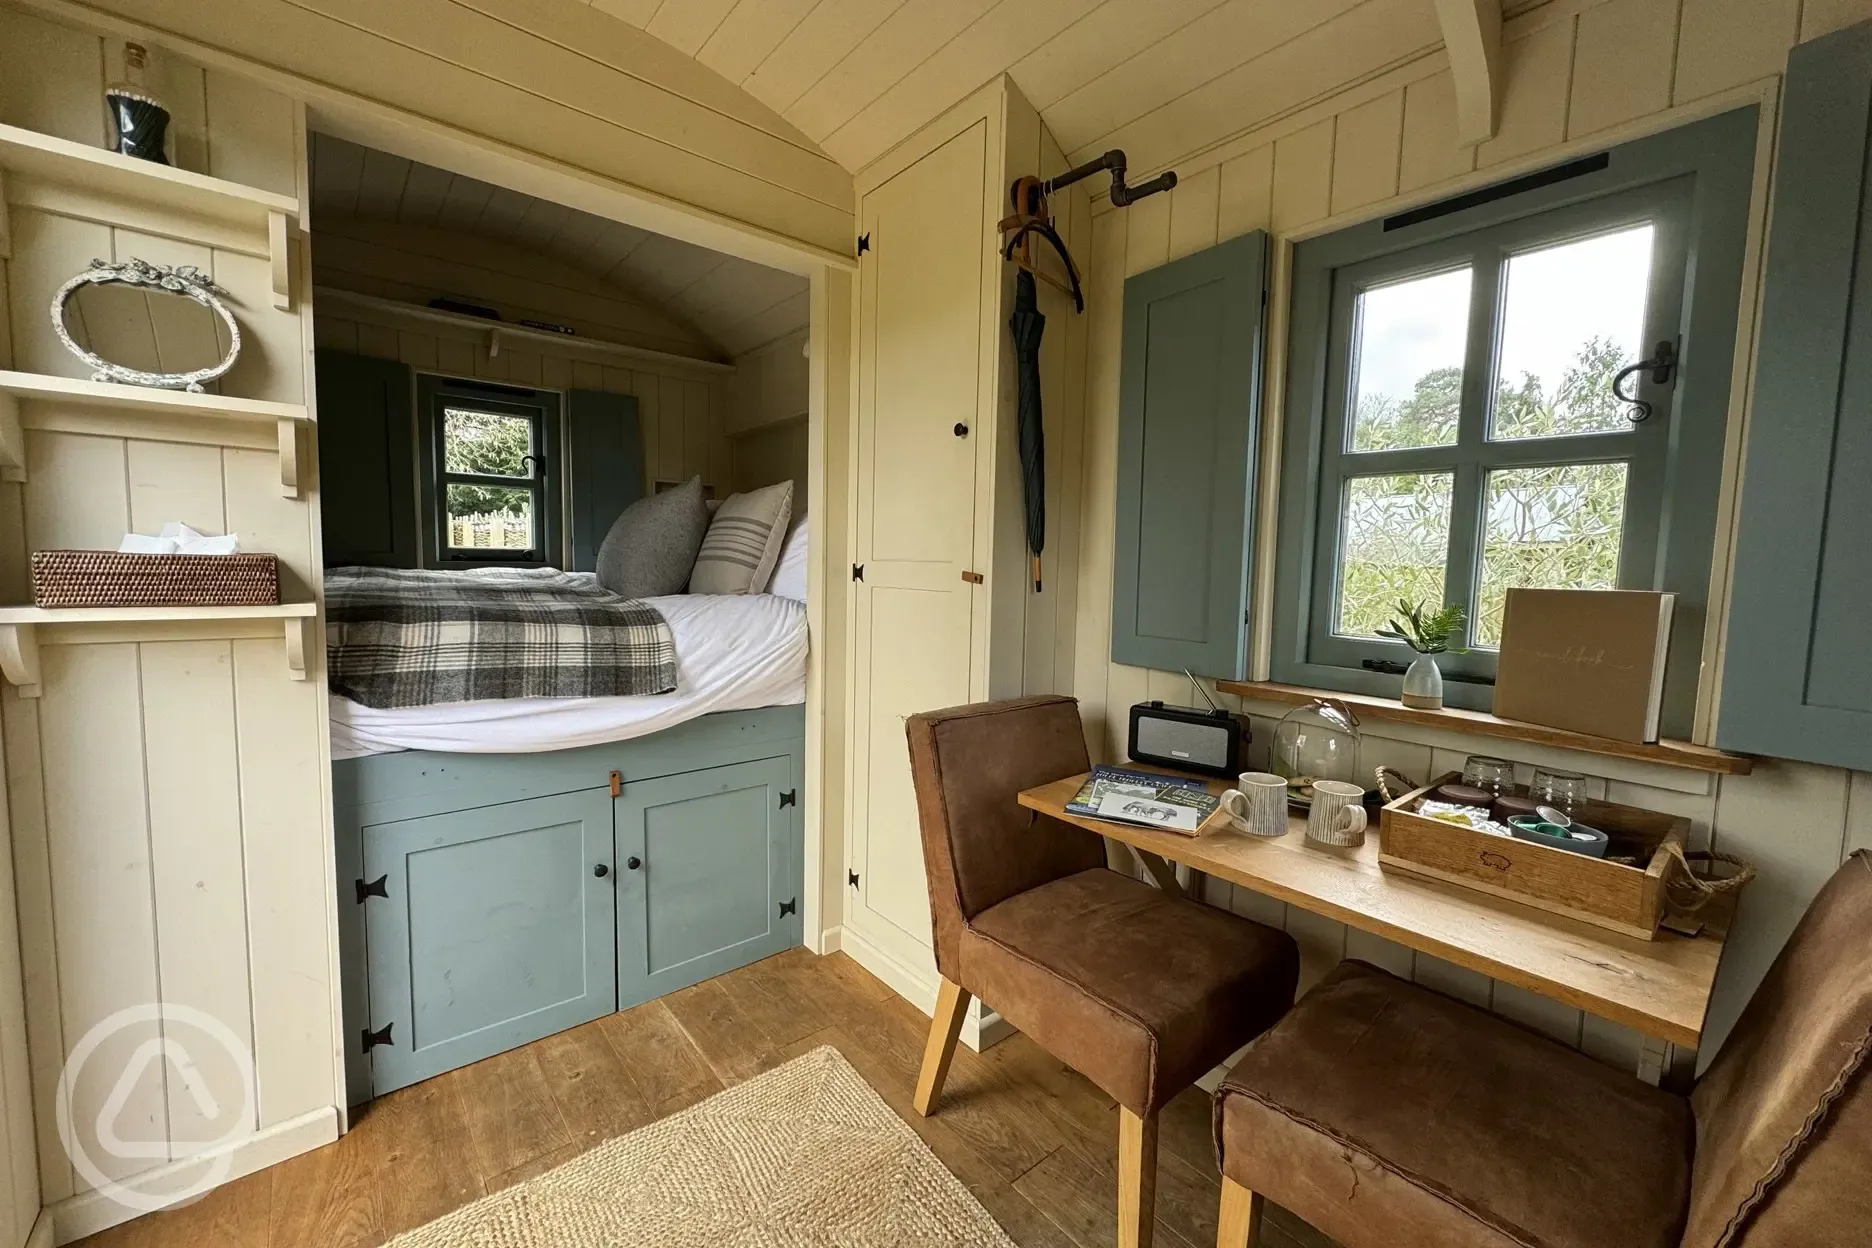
(1423, 684)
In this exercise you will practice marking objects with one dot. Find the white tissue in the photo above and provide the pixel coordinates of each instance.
(177, 538)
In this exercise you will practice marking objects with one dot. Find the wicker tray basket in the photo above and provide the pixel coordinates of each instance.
(105, 578)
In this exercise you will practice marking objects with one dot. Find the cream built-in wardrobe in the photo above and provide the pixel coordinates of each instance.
(943, 607)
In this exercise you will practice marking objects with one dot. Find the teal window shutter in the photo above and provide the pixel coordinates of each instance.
(1797, 672)
(607, 472)
(1189, 422)
(367, 474)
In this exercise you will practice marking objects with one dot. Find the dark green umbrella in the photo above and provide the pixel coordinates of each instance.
(1028, 325)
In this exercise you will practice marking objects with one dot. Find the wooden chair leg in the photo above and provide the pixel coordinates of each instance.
(1239, 1224)
(1137, 1178)
(951, 1004)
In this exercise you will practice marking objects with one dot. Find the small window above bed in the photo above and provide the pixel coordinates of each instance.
(491, 474)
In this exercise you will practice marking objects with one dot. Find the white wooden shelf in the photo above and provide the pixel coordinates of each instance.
(20, 631)
(30, 154)
(498, 332)
(20, 393)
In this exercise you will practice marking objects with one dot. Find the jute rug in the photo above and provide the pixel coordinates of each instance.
(806, 1155)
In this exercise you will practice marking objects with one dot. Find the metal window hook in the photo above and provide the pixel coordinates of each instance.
(1662, 363)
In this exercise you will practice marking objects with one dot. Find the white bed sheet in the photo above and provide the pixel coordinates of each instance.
(733, 653)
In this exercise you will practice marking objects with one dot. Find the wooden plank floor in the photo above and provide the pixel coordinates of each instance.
(1036, 1143)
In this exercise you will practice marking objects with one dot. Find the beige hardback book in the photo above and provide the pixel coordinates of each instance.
(1588, 660)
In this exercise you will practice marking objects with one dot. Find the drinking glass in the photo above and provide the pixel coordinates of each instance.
(1563, 790)
(1484, 771)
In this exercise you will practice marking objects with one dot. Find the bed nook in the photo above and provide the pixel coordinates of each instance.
(566, 613)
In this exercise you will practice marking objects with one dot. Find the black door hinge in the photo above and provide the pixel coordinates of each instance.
(864, 243)
(379, 887)
(851, 877)
(787, 907)
(790, 798)
(374, 1038)
(857, 571)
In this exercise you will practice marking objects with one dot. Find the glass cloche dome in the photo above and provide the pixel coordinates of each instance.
(1318, 741)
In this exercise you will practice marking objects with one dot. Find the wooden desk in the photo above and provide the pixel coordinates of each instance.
(1658, 987)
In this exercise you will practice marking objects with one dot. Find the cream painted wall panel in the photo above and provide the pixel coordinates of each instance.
(1430, 152)
(175, 481)
(1622, 61)
(1006, 32)
(1380, 952)
(823, 38)
(1092, 666)
(687, 26)
(1358, 44)
(47, 249)
(269, 366)
(193, 767)
(1859, 814)
(1098, 43)
(1537, 71)
(1367, 150)
(751, 30)
(6, 316)
(1303, 175)
(1183, 62)
(250, 133)
(906, 36)
(53, 78)
(564, 80)
(76, 498)
(1246, 194)
(285, 844)
(19, 1175)
(1194, 205)
(90, 723)
(1724, 43)
(1822, 17)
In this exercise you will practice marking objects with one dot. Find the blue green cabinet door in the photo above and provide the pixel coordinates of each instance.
(606, 465)
(367, 474)
(1797, 672)
(715, 883)
(1189, 421)
(486, 929)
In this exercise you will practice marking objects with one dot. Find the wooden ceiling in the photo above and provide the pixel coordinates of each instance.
(1159, 78)
(733, 304)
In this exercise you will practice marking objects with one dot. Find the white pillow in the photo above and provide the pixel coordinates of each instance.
(789, 574)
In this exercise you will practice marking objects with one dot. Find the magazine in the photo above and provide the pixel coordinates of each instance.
(1143, 797)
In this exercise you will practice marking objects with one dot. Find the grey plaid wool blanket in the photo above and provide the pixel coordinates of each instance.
(404, 637)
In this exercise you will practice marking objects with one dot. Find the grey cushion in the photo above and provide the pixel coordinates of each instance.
(743, 542)
(652, 546)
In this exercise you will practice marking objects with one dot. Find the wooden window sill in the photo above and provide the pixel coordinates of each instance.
(1478, 723)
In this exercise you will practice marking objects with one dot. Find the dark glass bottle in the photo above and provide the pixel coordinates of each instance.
(142, 121)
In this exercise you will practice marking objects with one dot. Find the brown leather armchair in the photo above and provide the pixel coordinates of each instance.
(1384, 1114)
(1139, 991)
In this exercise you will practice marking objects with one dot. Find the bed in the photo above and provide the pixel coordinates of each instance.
(511, 867)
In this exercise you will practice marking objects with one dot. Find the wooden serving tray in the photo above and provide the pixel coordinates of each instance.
(1625, 899)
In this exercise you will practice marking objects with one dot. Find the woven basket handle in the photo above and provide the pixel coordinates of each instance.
(1690, 892)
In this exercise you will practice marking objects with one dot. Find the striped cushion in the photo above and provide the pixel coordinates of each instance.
(743, 542)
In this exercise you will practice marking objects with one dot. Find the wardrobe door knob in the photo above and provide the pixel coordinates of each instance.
(601, 870)
(633, 863)
(961, 430)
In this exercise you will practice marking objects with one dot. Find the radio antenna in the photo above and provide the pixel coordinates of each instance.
(1201, 692)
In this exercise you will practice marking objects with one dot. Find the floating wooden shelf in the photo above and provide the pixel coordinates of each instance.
(20, 627)
(30, 154)
(1479, 723)
(498, 332)
(21, 392)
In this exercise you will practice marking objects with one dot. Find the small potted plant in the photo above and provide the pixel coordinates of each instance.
(1429, 635)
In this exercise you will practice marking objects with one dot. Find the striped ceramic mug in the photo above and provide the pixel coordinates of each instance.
(1338, 814)
(1259, 806)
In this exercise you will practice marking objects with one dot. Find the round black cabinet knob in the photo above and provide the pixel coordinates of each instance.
(961, 430)
(633, 863)
(601, 870)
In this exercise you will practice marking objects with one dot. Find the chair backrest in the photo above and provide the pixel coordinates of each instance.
(1784, 1115)
(980, 846)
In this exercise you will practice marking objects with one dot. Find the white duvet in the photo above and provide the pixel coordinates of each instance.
(733, 652)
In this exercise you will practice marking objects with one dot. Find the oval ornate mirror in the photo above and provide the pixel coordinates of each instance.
(147, 324)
